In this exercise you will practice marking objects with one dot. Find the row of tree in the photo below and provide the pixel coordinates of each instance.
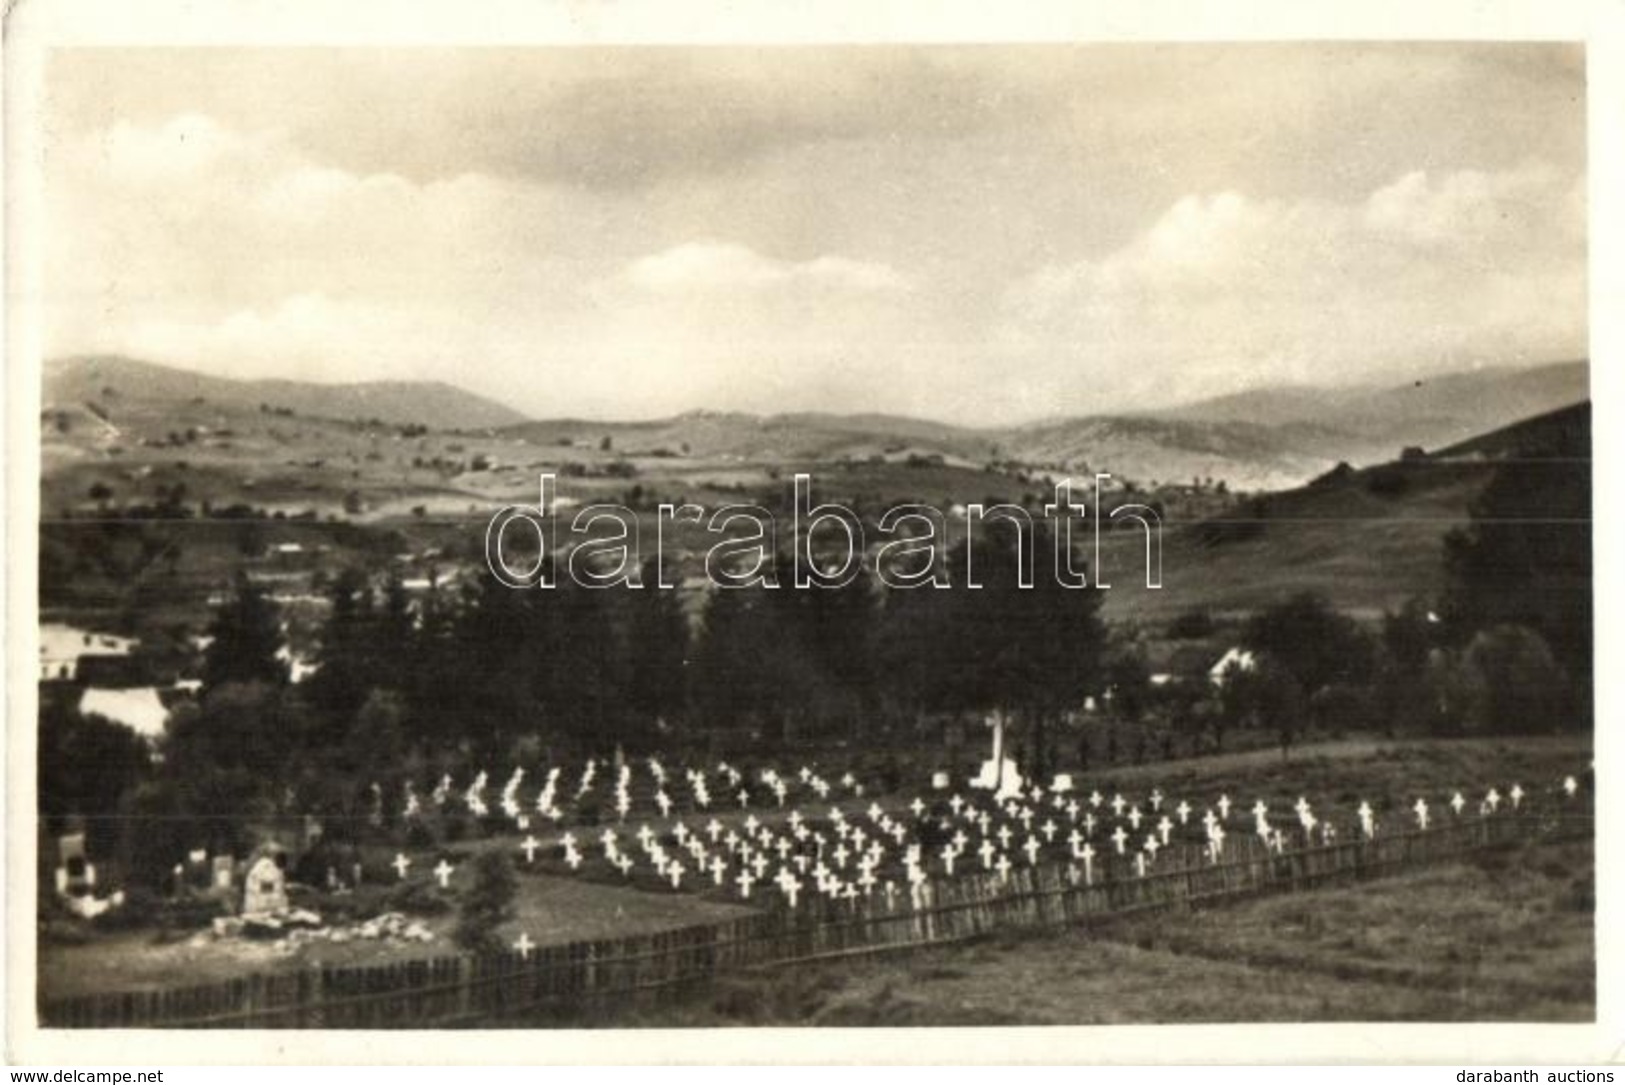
(589, 671)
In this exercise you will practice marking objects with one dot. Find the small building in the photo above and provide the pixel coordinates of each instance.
(140, 709)
(299, 668)
(62, 647)
(1234, 660)
(1172, 664)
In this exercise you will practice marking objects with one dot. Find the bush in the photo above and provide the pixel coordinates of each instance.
(141, 908)
(488, 904)
(418, 835)
(1515, 684)
(454, 827)
(1192, 625)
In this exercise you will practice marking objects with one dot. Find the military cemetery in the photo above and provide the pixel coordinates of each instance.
(901, 536)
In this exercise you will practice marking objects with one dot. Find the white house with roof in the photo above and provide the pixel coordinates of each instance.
(61, 647)
(139, 709)
(1236, 659)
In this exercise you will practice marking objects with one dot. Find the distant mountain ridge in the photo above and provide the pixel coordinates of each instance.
(432, 403)
(1267, 438)
(1430, 411)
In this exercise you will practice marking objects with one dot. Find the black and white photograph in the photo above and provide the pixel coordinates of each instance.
(809, 535)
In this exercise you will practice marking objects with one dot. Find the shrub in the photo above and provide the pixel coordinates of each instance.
(1192, 625)
(488, 904)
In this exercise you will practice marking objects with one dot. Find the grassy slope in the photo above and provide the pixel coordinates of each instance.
(1506, 937)
(1363, 551)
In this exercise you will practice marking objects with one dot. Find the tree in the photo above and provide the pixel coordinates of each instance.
(493, 672)
(227, 761)
(1129, 679)
(1267, 696)
(1525, 556)
(1032, 652)
(1319, 646)
(738, 676)
(586, 669)
(657, 644)
(376, 742)
(86, 765)
(1516, 684)
(347, 660)
(247, 636)
(487, 905)
(832, 629)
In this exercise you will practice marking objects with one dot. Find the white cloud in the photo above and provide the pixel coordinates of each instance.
(699, 266)
(1224, 289)
(192, 243)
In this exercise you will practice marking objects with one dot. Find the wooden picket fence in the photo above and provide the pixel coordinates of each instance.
(569, 981)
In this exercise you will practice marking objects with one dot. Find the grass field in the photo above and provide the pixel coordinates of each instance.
(1507, 936)
(549, 909)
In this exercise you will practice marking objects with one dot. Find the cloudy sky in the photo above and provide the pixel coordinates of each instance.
(980, 234)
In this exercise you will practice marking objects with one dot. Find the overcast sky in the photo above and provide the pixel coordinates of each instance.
(982, 235)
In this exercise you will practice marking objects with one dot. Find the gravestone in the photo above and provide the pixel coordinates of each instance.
(75, 876)
(265, 889)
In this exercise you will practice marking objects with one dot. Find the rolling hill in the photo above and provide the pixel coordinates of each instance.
(444, 406)
(1265, 439)
(1366, 539)
(1435, 411)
